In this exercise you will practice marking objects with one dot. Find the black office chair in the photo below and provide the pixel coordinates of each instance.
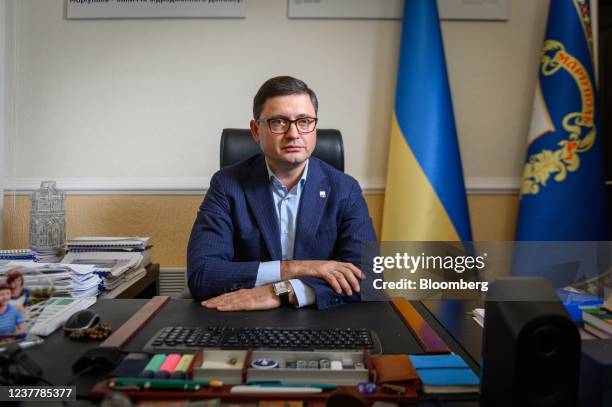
(238, 144)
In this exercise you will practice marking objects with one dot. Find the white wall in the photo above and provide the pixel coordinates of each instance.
(144, 101)
(3, 97)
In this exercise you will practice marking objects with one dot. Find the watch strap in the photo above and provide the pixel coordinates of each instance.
(284, 298)
(282, 290)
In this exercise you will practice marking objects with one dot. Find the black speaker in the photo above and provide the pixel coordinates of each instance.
(531, 348)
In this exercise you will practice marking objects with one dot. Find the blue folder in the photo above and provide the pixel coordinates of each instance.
(443, 370)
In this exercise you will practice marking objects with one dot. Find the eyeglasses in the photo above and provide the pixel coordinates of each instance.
(281, 126)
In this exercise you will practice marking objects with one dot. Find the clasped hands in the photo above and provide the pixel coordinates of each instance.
(342, 277)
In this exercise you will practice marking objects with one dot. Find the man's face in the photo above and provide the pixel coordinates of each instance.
(5, 296)
(292, 149)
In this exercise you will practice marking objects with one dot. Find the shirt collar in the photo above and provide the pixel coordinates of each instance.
(273, 177)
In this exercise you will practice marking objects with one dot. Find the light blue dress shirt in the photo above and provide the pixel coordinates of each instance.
(286, 203)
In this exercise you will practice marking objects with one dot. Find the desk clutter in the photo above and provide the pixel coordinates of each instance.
(597, 321)
(46, 317)
(54, 279)
(244, 375)
(92, 266)
(117, 260)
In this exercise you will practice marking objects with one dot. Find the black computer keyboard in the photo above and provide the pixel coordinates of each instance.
(183, 339)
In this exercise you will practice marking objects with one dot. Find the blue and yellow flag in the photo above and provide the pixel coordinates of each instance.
(425, 195)
(563, 185)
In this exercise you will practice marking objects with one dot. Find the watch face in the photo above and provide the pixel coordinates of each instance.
(278, 288)
(281, 288)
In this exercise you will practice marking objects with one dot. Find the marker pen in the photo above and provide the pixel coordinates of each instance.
(168, 366)
(153, 366)
(180, 371)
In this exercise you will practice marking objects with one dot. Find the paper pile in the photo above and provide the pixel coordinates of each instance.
(65, 280)
(117, 260)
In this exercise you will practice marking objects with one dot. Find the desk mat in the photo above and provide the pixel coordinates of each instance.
(395, 337)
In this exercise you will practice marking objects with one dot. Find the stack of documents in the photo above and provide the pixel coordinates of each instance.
(49, 256)
(478, 315)
(64, 280)
(17, 254)
(117, 260)
(573, 300)
(598, 320)
(102, 244)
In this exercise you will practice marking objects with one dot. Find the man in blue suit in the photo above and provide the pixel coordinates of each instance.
(282, 227)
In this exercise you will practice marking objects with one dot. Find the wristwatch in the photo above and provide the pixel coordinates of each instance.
(282, 289)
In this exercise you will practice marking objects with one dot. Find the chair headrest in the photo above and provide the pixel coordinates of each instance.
(238, 144)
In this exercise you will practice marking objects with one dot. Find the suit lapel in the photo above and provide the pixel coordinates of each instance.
(259, 198)
(314, 198)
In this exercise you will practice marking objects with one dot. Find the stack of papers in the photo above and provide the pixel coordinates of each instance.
(114, 288)
(573, 300)
(17, 254)
(608, 304)
(49, 256)
(598, 322)
(478, 315)
(96, 243)
(66, 280)
(112, 263)
(117, 260)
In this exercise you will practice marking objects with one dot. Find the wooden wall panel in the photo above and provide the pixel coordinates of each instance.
(167, 219)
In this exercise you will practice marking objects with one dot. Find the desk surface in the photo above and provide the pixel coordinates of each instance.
(455, 317)
(57, 354)
(379, 316)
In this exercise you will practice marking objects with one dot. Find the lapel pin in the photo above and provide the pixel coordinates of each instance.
(322, 194)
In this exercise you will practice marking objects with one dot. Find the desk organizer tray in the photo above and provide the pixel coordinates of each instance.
(355, 368)
(235, 367)
(228, 366)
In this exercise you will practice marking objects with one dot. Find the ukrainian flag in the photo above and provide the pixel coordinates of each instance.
(425, 195)
(563, 185)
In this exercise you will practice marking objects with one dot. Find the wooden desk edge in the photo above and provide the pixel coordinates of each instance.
(429, 340)
(135, 323)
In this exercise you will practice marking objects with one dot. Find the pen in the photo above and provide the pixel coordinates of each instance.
(164, 385)
(159, 384)
(244, 389)
(274, 383)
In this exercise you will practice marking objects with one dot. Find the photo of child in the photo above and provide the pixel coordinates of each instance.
(20, 296)
(12, 322)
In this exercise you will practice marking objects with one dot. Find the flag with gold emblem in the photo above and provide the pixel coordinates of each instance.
(563, 186)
